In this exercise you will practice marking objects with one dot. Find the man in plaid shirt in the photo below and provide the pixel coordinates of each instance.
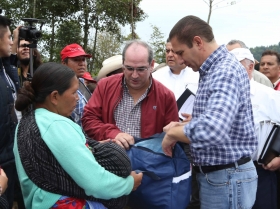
(221, 132)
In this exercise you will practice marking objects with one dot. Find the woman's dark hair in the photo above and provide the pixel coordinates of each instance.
(47, 78)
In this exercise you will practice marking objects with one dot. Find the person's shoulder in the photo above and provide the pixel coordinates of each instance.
(111, 79)
(261, 87)
(47, 118)
(162, 74)
(261, 78)
(159, 87)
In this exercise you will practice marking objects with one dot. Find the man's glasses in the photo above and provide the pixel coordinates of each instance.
(138, 69)
(169, 50)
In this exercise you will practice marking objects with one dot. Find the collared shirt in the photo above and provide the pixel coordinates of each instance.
(79, 110)
(127, 115)
(265, 103)
(222, 128)
(177, 83)
(276, 85)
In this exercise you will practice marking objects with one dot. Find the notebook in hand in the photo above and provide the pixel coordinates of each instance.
(271, 147)
(185, 102)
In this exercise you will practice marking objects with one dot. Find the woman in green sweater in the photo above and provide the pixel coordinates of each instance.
(56, 168)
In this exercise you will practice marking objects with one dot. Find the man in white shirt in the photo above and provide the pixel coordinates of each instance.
(176, 76)
(265, 103)
(259, 77)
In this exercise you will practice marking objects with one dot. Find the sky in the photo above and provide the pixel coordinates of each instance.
(255, 22)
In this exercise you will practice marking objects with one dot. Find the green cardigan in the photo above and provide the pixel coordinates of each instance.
(75, 158)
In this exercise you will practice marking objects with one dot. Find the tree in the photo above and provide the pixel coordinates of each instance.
(258, 50)
(157, 43)
(107, 16)
(53, 11)
(100, 15)
(69, 31)
(108, 44)
(212, 6)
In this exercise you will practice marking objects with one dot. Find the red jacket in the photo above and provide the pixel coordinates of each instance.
(159, 108)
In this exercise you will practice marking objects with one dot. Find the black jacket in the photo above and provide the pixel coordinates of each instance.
(8, 120)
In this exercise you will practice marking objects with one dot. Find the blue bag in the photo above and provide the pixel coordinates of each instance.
(166, 182)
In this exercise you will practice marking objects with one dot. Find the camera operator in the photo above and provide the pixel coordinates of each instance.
(22, 60)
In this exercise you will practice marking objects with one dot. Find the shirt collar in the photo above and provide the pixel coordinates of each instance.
(275, 84)
(217, 54)
(171, 73)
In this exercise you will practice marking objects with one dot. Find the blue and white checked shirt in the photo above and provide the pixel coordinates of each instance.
(222, 129)
(79, 110)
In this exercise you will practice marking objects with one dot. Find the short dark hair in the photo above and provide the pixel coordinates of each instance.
(189, 27)
(47, 78)
(272, 53)
(4, 23)
(138, 42)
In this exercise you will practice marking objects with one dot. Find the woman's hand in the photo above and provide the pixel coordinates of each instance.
(3, 181)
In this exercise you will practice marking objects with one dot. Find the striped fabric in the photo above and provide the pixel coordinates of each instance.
(45, 171)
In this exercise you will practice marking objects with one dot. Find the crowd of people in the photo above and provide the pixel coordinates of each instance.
(55, 117)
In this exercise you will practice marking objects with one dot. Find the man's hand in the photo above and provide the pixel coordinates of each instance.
(187, 117)
(124, 140)
(173, 124)
(15, 39)
(168, 144)
(273, 165)
(137, 179)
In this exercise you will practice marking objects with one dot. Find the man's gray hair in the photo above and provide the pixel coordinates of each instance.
(241, 43)
(138, 42)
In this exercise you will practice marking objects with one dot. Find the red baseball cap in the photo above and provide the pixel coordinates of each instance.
(88, 77)
(73, 50)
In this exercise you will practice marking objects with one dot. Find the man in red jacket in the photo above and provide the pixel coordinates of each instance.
(130, 104)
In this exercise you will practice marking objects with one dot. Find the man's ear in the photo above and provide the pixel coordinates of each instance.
(54, 97)
(197, 41)
(251, 67)
(152, 65)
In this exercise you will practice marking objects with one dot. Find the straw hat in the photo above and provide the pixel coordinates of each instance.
(109, 65)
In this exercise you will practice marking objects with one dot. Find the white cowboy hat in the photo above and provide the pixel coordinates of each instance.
(109, 65)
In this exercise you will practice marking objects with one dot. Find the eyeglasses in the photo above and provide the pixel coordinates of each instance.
(138, 69)
(169, 50)
(23, 46)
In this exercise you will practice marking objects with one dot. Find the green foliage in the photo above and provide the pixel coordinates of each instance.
(108, 44)
(129, 37)
(100, 15)
(157, 43)
(69, 31)
(257, 51)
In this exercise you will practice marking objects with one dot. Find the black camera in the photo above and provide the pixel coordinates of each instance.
(29, 32)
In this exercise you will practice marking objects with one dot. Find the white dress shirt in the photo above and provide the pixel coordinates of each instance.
(178, 83)
(266, 106)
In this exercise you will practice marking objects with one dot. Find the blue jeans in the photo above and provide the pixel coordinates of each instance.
(232, 188)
